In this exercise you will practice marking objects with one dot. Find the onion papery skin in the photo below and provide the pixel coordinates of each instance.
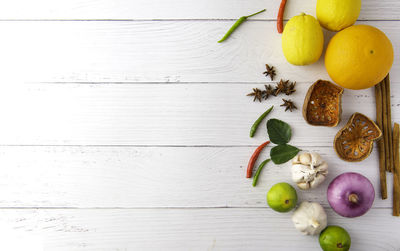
(345, 185)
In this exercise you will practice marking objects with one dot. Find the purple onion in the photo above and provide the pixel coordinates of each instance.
(351, 194)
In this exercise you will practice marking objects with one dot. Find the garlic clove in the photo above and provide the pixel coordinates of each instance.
(316, 159)
(303, 185)
(296, 159)
(305, 158)
(298, 173)
(314, 223)
(323, 167)
(317, 180)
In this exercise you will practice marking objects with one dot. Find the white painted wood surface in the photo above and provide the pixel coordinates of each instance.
(125, 127)
(186, 229)
(158, 114)
(154, 51)
(131, 177)
(175, 9)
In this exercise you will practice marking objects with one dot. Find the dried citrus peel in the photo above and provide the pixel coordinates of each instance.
(354, 142)
(322, 105)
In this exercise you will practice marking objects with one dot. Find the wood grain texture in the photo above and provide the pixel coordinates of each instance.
(130, 131)
(153, 114)
(176, 9)
(132, 177)
(180, 229)
(153, 51)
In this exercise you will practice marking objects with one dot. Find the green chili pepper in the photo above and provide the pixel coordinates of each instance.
(237, 24)
(255, 179)
(258, 121)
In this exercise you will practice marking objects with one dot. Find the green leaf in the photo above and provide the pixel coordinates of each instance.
(283, 153)
(279, 132)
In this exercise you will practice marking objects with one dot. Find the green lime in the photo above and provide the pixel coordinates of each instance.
(282, 197)
(334, 238)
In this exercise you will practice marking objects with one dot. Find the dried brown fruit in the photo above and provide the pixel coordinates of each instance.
(354, 142)
(322, 104)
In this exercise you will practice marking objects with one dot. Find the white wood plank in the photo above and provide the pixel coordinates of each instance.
(175, 9)
(182, 229)
(88, 177)
(151, 51)
(153, 114)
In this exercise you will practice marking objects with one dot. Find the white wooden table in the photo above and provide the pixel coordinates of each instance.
(125, 127)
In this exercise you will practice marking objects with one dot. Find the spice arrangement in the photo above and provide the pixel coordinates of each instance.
(279, 133)
(282, 87)
(352, 64)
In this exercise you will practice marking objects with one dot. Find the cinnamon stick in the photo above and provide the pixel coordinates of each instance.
(381, 144)
(389, 122)
(396, 170)
(385, 126)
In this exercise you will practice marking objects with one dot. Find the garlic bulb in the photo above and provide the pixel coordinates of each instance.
(310, 218)
(308, 170)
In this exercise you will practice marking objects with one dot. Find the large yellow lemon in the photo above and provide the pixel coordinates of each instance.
(302, 40)
(335, 15)
(359, 57)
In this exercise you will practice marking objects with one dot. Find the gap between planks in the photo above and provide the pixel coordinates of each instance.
(168, 20)
(151, 208)
(158, 146)
(171, 83)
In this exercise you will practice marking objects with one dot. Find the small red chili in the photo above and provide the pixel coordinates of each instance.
(280, 16)
(253, 159)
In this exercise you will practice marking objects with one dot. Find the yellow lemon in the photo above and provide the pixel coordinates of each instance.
(302, 40)
(359, 57)
(335, 15)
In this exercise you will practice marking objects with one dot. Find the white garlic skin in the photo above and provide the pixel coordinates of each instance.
(308, 170)
(310, 218)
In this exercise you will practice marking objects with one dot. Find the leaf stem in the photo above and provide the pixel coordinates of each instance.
(237, 24)
(256, 13)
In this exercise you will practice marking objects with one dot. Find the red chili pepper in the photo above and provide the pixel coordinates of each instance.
(280, 16)
(253, 159)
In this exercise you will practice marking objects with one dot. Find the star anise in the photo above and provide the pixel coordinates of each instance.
(257, 93)
(290, 88)
(289, 105)
(268, 91)
(281, 87)
(270, 71)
